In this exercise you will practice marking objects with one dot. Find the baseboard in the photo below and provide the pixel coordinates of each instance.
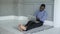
(13, 18)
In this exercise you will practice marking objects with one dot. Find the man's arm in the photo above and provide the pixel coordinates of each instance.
(44, 17)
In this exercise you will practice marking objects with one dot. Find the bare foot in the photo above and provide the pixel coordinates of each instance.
(23, 27)
(19, 27)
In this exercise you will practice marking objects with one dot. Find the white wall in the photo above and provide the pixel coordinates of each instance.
(11, 7)
(30, 6)
(57, 13)
(6, 7)
(25, 7)
(20, 7)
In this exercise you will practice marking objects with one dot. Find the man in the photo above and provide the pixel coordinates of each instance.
(40, 15)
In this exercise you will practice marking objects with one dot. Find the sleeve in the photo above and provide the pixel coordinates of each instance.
(44, 17)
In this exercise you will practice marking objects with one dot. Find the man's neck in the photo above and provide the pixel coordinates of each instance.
(41, 10)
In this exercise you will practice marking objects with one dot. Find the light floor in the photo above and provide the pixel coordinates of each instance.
(49, 31)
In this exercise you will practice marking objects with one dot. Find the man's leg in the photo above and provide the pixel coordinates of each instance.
(29, 23)
(34, 25)
(22, 28)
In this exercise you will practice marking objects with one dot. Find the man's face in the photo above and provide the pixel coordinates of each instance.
(42, 8)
